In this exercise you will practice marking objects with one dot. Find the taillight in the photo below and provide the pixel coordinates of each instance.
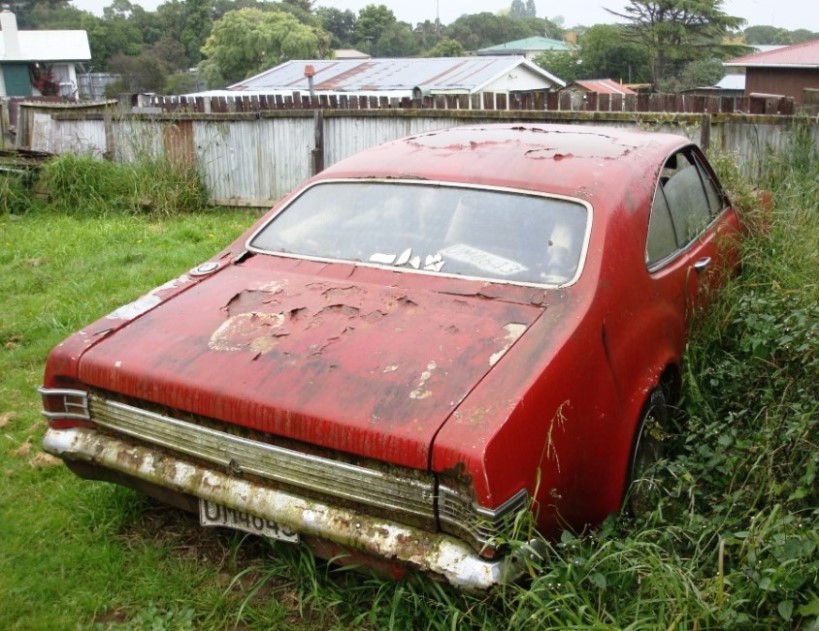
(65, 407)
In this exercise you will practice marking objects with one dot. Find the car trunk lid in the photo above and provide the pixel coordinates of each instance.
(289, 348)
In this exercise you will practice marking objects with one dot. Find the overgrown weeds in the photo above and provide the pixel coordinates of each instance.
(85, 185)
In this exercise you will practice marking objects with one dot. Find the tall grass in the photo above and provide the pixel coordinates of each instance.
(85, 185)
(733, 542)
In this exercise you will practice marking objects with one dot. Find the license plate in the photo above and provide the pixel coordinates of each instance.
(211, 514)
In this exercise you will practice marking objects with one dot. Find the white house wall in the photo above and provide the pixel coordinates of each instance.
(518, 79)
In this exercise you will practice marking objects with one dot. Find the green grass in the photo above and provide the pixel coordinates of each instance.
(733, 541)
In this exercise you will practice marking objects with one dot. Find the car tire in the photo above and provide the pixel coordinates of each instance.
(642, 490)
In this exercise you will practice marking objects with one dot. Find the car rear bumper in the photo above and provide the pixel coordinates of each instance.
(436, 553)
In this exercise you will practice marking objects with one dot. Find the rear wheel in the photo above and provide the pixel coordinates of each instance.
(642, 491)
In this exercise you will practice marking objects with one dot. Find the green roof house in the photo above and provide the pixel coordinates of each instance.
(530, 47)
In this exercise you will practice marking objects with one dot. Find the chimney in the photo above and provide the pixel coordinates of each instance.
(8, 26)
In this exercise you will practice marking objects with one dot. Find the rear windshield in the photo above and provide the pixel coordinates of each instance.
(482, 233)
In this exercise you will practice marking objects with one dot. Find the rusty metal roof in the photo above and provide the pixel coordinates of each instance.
(804, 55)
(464, 75)
(604, 86)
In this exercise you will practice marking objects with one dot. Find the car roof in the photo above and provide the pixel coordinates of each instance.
(576, 160)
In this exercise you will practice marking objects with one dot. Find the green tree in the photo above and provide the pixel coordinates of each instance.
(565, 65)
(373, 21)
(531, 10)
(446, 47)
(42, 14)
(677, 32)
(517, 10)
(608, 54)
(248, 41)
(189, 22)
(428, 34)
(480, 30)
(110, 36)
(544, 27)
(397, 40)
(766, 35)
(340, 24)
(139, 73)
(700, 73)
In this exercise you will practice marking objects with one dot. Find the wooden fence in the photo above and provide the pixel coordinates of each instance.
(487, 101)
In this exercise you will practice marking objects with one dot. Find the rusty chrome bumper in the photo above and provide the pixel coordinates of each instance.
(436, 553)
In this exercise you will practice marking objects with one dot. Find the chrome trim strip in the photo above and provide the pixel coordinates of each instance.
(81, 406)
(390, 491)
(460, 517)
(440, 554)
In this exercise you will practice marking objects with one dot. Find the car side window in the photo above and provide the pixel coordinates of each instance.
(685, 201)
(661, 240)
(716, 199)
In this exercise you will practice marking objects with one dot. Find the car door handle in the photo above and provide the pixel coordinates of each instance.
(700, 265)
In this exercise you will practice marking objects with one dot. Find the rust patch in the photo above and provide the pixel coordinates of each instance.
(248, 300)
(252, 331)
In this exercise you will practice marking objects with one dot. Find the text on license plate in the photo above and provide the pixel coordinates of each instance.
(211, 514)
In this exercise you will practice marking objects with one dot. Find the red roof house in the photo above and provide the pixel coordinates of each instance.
(599, 86)
(787, 71)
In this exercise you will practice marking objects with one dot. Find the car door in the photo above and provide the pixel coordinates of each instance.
(690, 240)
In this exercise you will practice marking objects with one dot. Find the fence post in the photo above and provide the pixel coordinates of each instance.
(318, 149)
(705, 131)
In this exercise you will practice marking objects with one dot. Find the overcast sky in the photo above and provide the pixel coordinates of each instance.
(787, 14)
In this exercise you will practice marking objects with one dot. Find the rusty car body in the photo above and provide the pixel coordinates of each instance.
(413, 347)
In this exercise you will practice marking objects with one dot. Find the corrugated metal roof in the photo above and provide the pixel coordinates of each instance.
(804, 55)
(48, 46)
(438, 74)
(604, 86)
(732, 82)
(529, 44)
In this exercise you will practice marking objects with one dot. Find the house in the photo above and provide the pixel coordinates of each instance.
(731, 85)
(405, 77)
(598, 86)
(787, 71)
(349, 53)
(529, 47)
(39, 63)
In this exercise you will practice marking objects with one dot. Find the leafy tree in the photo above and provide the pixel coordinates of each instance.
(766, 35)
(531, 9)
(108, 37)
(544, 27)
(446, 47)
(803, 35)
(373, 21)
(139, 73)
(676, 32)
(40, 14)
(480, 30)
(340, 24)
(520, 9)
(428, 34)
(565, 65)
(304, 5)
(397, 40)
(170, 52)
(248, 41)
(700, 73)
(189, 22)
(607, 54)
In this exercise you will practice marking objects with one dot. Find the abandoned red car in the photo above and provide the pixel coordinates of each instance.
(417, 344)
